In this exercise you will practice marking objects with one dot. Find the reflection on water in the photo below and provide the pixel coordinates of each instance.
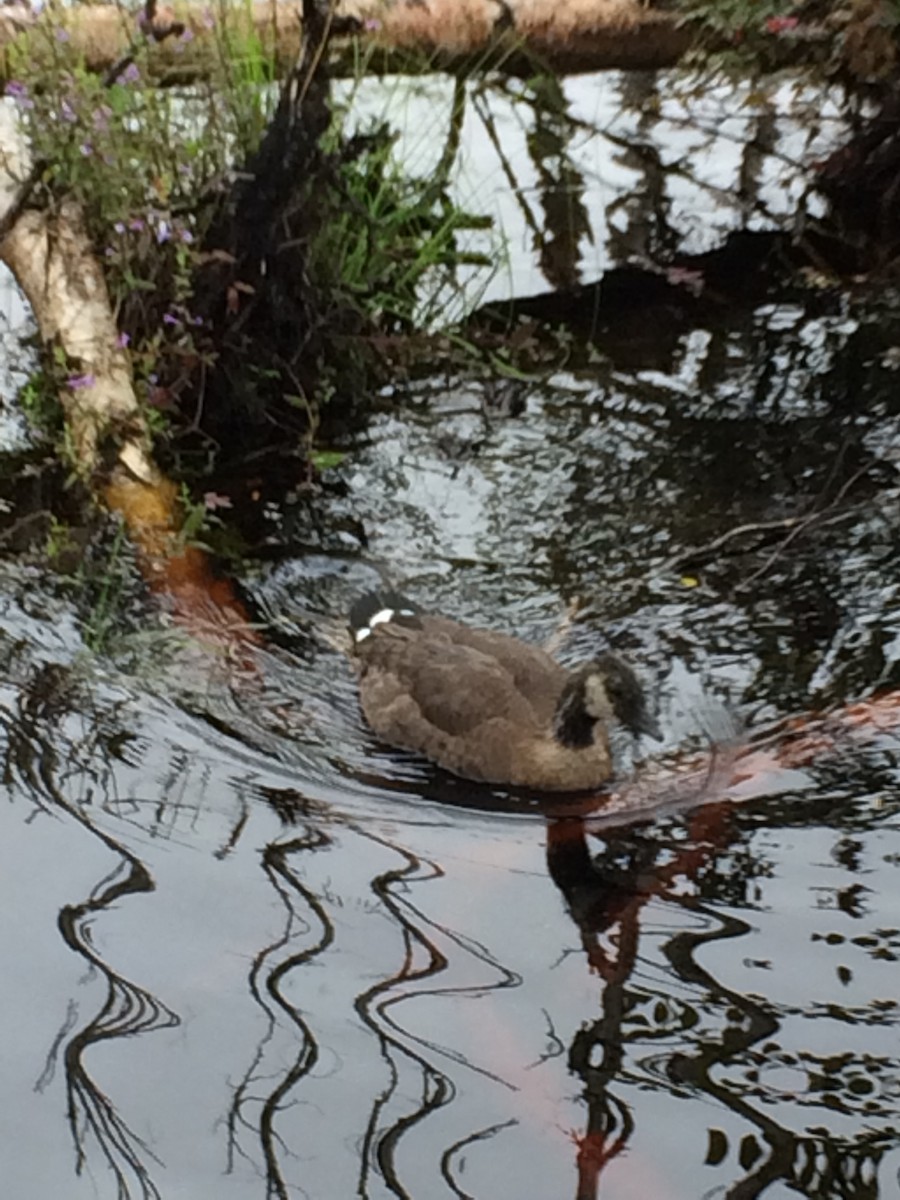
(594, 170)
(249, 952)
(306, 965)
(352, 992)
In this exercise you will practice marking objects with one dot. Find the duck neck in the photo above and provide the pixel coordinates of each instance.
(573, 726)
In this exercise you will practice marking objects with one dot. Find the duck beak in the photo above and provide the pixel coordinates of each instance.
(649, 726)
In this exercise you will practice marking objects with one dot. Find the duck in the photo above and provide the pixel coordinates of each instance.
(488, 706)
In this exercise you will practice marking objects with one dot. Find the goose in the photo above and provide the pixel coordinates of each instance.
(488, 706)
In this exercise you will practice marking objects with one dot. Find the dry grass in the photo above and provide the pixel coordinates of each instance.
(573, 18)
(455, 25)
(554, 26)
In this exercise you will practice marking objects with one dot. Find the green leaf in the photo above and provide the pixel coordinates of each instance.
(324, 460)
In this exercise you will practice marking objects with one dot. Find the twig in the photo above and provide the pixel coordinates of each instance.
(6, 535)
(793, 526)
(155, 22)
(702, 552)
(564, 628)
(803, 522)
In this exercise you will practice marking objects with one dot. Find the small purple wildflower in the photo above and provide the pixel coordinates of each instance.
(67, 112)
(19, 92)
(371, 25)
(137, 225)
(187, 36)
(170, 319)
(692, 281)
(186, 236)
(153, 378)
(214, 500)
(101, 117)
(76, 382)
(86, 149)
(119, 227)
(122, 340)
(163, 231)
(109, 252)
(131, 74)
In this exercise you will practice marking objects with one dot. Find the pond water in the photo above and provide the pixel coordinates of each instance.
(590, 171)
(251, 952)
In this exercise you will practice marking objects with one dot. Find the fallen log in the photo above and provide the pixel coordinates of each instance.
(444, 34)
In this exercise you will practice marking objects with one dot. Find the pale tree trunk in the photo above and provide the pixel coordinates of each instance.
(52, 259)
(53, 262)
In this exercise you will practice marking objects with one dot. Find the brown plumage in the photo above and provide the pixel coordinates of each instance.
(488, 706)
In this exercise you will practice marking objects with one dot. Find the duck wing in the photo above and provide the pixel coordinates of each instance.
(537, 677)
(413, 681)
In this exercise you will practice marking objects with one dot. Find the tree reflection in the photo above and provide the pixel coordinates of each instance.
(604, 897)
(377, 1005)
(256, 1104)
(35, 755)
(127, 1010)
(605, 894)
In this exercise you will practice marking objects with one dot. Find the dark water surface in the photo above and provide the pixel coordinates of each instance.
(248, 952)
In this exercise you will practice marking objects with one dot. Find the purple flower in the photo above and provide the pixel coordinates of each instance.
(137, 225)
(109, 252)
(213, 500)
(130, 75)
(186, 236)
(101, 117)
(122, 340)
(371, 25)
(170, 319)
(19, 92)
(86, 149)
(187, 36)
(76, 382)
(163, 231)
(119, 227)
(67, 112)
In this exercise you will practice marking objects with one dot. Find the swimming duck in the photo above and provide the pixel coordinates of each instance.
(488, 706)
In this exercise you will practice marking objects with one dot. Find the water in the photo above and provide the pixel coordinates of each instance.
(584, 173)
(251, 952)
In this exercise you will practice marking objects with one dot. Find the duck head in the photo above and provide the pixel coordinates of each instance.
(605, 690)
